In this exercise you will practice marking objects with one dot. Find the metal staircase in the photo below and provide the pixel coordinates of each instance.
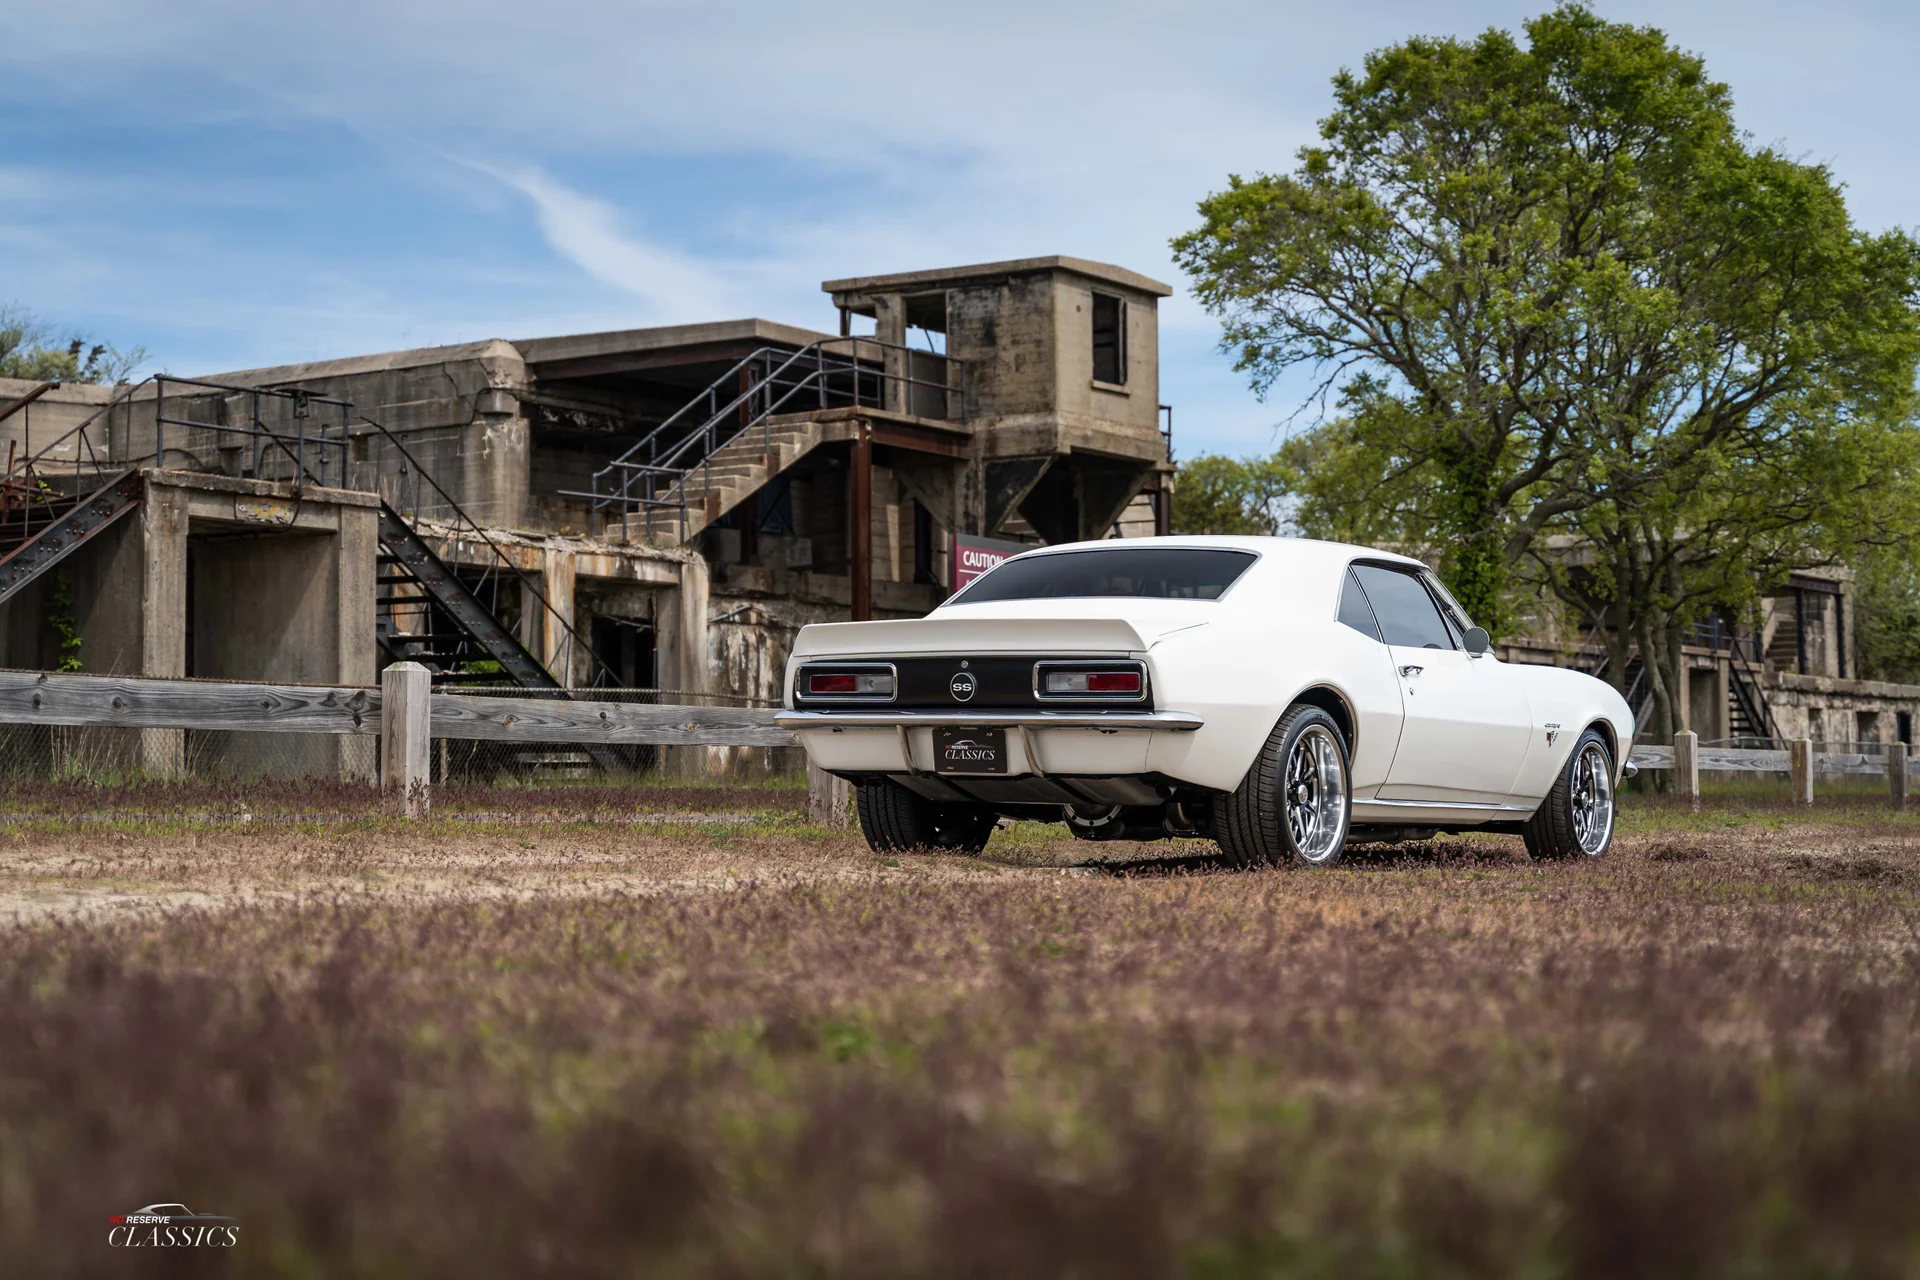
(40, 527)
(725, 443)
(426, 612)
(50, 507)
(449, 630)
(1749, 714)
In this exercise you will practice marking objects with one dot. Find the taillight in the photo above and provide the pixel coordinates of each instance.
(1125, 682)
(850, 684)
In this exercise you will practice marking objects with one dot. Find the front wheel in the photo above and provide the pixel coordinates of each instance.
(1295, 804)
(1576, 818)
(895, 820)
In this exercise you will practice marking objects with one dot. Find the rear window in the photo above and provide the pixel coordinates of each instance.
(1158, 573)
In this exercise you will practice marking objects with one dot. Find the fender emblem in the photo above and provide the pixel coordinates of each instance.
(1553, 731)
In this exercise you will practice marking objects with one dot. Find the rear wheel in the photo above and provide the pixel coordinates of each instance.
(1295, 804)
(1576, 818)
(895, 820)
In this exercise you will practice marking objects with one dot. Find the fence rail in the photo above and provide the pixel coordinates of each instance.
(403, 712)
(407, 715)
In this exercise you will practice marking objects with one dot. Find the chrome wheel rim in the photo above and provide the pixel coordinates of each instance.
(1316, 795)
(1592, 799)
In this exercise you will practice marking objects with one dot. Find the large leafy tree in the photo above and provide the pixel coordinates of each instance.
(1580, 328)
(30, 349)
(1217, 494)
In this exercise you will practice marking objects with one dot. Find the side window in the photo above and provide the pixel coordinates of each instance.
(1355, 612)
(1455, 615)
(1407, 614)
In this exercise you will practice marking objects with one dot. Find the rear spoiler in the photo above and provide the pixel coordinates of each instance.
(968, 636)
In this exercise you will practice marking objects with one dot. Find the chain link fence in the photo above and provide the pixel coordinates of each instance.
(110, 756)
(571, 764)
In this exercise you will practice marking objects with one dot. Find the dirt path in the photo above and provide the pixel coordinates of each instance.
(52, 870)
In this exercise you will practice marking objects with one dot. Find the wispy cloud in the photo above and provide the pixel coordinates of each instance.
(672, 286)
(689, 161)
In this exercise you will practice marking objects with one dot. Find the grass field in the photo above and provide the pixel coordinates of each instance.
(719, 1042)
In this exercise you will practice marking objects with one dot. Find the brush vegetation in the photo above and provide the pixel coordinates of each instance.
(1695, 1057)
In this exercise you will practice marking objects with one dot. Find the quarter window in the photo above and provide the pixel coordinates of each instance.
(1408, 616)
(1355, 612)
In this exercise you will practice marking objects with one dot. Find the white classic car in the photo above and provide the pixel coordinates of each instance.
(1282, 696)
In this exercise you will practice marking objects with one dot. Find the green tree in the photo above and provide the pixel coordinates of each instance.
(1887, 615)
(30, 349)
(1579, 327)
(1216, 494)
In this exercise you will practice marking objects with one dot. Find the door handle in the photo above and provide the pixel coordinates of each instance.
(1411, 670)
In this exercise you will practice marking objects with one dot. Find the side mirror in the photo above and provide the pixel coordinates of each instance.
(1478, 641)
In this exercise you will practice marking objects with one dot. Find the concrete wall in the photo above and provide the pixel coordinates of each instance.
(1134, 405)
(281, 590)
(35, 428)
(454, 408)
(1007, 333)
(1829, 709)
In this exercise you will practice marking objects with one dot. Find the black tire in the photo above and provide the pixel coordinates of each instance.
(1258, 822)
(895, 820)
(1576, 818)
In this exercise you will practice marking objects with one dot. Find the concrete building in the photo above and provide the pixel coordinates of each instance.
(1789, 672)
(661, 509)
(650, 509)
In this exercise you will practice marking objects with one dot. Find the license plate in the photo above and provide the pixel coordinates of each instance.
(970, 750)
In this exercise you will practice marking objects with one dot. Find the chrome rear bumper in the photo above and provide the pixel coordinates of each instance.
(1108, 721)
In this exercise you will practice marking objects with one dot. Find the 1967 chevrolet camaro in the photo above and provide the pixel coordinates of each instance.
(1282, 696)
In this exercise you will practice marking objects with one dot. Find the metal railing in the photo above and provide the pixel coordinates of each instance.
(316, 451)
(406, 503)
(654, 474)
(326, 443)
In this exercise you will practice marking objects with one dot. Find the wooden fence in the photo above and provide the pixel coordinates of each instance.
(408, 715)
(1800, 762)
(405, 713)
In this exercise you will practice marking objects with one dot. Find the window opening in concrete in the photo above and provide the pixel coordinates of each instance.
(1904, 726)
(776, 507)
(923, 545)
(626, 648)
(1109, 339)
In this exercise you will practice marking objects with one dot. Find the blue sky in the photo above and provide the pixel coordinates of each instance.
(231, 184)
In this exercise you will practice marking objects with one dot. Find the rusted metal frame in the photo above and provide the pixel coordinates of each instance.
(28, 399)
(861, 577)
(26, 463)
(899, 436)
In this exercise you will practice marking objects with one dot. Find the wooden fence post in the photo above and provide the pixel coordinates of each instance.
(1800, 766)
(1686, 766)
(406, 735)
(1897, 774)
(828, 797)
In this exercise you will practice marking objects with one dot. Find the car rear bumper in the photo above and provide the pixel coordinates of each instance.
(1105, 721)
